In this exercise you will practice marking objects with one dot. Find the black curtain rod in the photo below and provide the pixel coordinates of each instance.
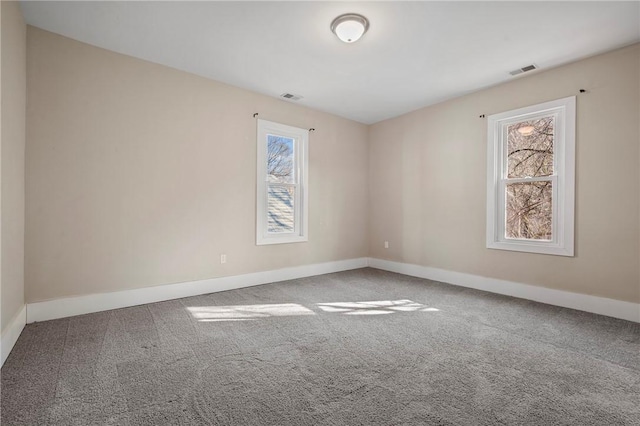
(255, 114)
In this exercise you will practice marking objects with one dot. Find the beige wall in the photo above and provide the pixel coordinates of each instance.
(12, 148)
(428, 174)
(140, 175)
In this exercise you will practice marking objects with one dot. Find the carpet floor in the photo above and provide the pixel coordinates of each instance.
(363, 347)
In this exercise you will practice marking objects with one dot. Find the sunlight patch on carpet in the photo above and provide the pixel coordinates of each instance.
(245, 312)
(381, 307)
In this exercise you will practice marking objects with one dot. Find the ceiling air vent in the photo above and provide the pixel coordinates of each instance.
(523, 69)
(291, 97)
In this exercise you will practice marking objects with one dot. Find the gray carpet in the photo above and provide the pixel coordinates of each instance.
(362, 347)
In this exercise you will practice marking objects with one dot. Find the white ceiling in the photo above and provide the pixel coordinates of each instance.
(415, 53)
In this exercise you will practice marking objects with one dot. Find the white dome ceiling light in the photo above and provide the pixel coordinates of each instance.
(526, 130)
(350, 27)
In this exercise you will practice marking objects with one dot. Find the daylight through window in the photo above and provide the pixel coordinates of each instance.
(282, 177)
(530, 184)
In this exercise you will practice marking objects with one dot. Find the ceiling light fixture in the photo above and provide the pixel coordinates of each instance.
(526, 130)
(350, 27)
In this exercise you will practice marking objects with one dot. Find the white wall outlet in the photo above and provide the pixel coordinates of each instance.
(386, 244)
(223, 258)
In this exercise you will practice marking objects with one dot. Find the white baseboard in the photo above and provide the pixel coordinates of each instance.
(582, 302)
(11, 334)
(70, 306)
(66, 307)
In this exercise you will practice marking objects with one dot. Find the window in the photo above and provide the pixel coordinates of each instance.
(530, 178)
(282, 184)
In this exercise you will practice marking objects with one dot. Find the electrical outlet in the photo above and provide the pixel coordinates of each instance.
(386, 244)
(223, 258)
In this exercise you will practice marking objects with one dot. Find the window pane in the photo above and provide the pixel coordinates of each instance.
(280, 208)
(529, 214)
(280, 167)
(530, 148)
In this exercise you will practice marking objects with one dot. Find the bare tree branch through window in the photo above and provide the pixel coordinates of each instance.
(529, 212)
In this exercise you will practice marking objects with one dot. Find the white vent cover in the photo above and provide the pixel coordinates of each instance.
(291, 96)
(524, 69)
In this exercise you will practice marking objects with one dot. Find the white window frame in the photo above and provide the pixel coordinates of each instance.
(301, 200)
(563, 178)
